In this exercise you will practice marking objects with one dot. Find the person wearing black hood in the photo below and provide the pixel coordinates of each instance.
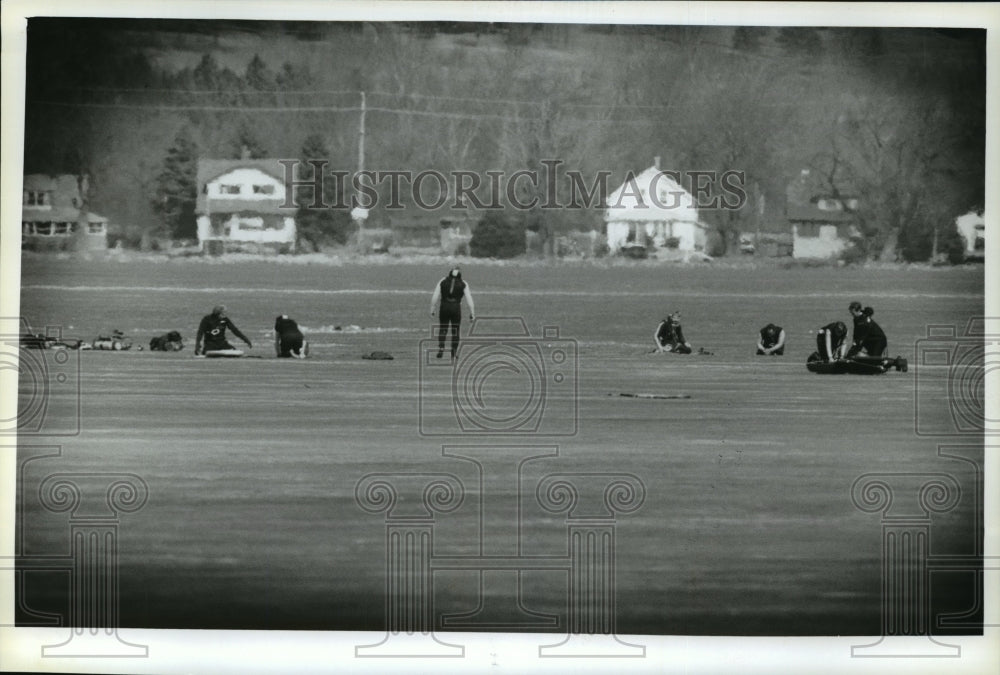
(869, 338)
(447, 303)
(869, 343)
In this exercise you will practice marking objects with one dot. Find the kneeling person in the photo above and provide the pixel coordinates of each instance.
(772, 341)
(288, 339)
(670, 337)
(830, 343)
(212, 334)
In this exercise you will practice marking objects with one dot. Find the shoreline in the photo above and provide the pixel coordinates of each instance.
(416, 257)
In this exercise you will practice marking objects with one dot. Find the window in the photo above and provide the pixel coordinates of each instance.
(95, 228)
(36, 198)
(263, 189)
(828, 205)
(229, 189)
(852, 204)
(807, 230)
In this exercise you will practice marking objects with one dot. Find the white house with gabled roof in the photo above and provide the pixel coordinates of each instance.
(242, 203)
(653, 208)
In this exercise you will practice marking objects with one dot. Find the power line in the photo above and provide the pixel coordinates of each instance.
(332, 109)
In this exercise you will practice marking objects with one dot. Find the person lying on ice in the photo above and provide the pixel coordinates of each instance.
(212, 333)
(669, 336)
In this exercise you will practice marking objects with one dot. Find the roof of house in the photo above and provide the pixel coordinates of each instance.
(672, 203)
(210, 169)
(58, 214)
(39, 182)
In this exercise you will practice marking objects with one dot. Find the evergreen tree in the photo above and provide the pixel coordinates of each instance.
(177, 188)
(246, 143)
(206, 73)
(316, 222)
(257, 76)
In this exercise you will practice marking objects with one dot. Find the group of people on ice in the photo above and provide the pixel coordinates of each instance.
(867, 349)
(211, 337)
(868, 345)
(866, 353)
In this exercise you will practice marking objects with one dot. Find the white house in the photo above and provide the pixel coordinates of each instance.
(242, 204)
(653, 208)
(972, 227)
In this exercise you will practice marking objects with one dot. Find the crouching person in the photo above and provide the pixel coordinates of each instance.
(831, 343)
(168, 342)
(771, 341)
(288, 339)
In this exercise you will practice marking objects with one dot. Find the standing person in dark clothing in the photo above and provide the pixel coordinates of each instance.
(669, 336)
(447, 301)
(288, 339)
(212, 333)
(771, 341)
(831, 342)
(869, 338)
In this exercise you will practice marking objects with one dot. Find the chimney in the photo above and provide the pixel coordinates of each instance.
(245, 152)
(656, 162)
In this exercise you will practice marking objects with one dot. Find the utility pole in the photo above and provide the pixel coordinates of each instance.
(361, 149)
(361, 136)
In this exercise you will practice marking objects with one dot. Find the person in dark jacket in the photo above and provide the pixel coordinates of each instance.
(869, 343)
(447, 303)
(288, 339)
(831, 342)
(869, 338)
(771, 341)
(669, 336)
(212, 333)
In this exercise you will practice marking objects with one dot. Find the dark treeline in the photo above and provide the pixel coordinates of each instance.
(895, 117)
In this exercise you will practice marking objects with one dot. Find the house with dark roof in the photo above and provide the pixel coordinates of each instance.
(823, 221)
(241, 205)
(52, 215)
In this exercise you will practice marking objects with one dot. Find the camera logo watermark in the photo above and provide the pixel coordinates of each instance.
(45, 372)
(502, 557)
(906, 502)
(95, 503)
(952, 364)
(500, 381)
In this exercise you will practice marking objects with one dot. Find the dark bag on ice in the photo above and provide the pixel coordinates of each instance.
(169, 342)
